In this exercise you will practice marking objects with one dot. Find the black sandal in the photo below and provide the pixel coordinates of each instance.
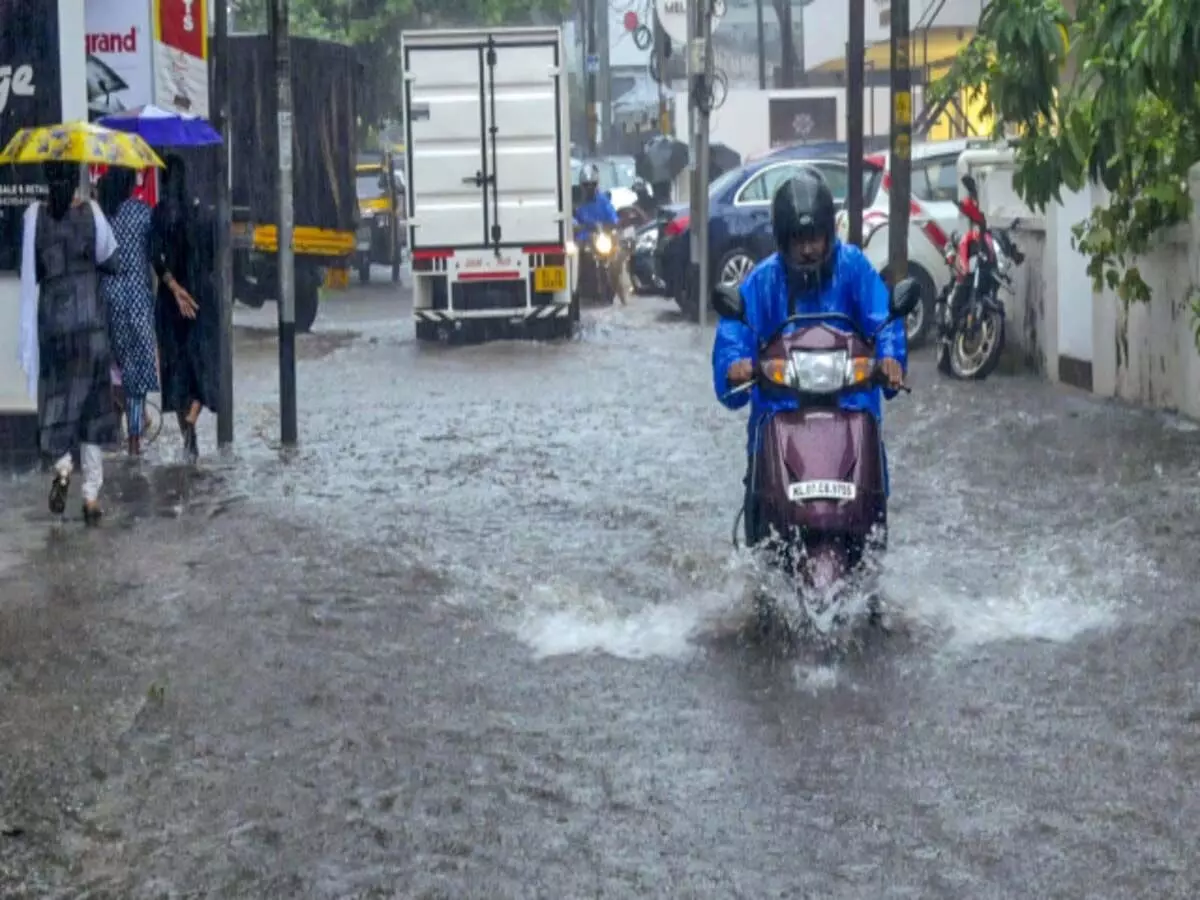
(191, 446)
(92, 514)
(58, 493)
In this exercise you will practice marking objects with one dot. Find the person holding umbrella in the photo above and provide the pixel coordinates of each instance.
(64, 346)
(183, 256)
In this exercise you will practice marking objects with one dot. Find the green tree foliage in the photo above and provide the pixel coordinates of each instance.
(374, 26)
(1129, 119)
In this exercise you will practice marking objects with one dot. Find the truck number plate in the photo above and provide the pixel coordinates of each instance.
(800, 491)
(550, 279)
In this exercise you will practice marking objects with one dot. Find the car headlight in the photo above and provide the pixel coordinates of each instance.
(819, 372)
(602, 242)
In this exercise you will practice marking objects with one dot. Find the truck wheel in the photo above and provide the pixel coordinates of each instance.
(308, 296)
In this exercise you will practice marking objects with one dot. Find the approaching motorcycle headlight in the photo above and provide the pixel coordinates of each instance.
(819, 372)
(602, 242)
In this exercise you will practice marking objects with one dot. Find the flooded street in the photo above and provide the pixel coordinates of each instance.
(480, 637)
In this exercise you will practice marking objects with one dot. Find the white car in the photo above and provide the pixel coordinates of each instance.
(933, 217)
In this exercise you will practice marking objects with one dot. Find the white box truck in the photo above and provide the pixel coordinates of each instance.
(489, 190)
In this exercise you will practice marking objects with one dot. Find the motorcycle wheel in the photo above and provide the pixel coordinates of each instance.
(974, 353)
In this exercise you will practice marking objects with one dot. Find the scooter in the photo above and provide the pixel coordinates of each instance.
(818, 475)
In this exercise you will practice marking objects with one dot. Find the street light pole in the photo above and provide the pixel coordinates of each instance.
(901, 155)
(220, 64)
(286, 225)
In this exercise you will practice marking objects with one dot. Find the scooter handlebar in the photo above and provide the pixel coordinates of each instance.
(877, 380)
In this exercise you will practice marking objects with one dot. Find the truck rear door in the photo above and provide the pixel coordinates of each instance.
(485, 143)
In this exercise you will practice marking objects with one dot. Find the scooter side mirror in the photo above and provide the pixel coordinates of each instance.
(905, 297)
(727, 301)
(968, 181)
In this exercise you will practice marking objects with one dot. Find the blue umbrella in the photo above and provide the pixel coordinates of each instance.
(163, 128)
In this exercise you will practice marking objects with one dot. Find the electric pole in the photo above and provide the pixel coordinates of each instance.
(855, 61)
(220, 103)
(762, 44)
(901, 155)
(286, 222)
(700, 65)
(590, 64)
(605, 88)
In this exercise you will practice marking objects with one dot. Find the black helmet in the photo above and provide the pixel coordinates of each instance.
(803, 209)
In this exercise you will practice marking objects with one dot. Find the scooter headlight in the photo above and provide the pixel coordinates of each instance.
(602, 242)
(819, 372)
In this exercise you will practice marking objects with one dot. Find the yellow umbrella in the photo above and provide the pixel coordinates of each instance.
(82, 143)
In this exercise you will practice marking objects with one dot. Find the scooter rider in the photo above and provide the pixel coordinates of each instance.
(811, 272)
(596, 208)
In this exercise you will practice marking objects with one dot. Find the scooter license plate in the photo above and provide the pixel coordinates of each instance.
(550, 279)
(801, 491)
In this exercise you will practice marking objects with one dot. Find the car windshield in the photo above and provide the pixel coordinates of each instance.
(872, 176)
(723, 182)
(368, 184)
(609, 176)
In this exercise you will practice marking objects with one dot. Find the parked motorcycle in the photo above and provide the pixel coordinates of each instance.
(818, 474)
(597, 248)
(969, 312)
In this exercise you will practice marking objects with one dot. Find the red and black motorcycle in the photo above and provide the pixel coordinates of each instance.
(969, 314)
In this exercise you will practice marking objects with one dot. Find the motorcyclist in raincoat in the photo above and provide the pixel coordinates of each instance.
(596, 208)
(811, 272)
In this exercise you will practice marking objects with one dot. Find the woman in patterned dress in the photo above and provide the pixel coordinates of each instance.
(129, 297)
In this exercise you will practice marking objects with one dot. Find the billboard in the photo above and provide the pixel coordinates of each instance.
(181, 56)
(30, 94)
(119, 61)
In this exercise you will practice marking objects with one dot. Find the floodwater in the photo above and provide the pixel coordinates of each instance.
(480, 637)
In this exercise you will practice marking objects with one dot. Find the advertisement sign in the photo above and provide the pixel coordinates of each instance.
(120, 67)
(181, 56)
(30, 94)
(801, 120)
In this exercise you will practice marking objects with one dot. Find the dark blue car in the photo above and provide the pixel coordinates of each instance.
(739, 229)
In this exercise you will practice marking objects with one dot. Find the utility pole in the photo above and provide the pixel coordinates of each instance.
(220, 72)
(901, 155)
(589, 83)
(700, 65)
(855, 62)
(286, 224)
(762, 44)
(660, 53)
(605, 88)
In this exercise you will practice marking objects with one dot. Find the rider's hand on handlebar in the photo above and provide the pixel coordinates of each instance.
(740, 372)
(891, 373)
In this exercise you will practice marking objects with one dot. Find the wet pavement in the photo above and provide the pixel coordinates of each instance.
(479, 637)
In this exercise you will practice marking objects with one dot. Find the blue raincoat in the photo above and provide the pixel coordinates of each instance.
(597, 211)
(856, 290)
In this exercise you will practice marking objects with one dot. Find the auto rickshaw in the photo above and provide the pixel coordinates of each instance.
(381, 204)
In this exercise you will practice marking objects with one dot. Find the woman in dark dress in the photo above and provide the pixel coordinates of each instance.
(183, 252)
